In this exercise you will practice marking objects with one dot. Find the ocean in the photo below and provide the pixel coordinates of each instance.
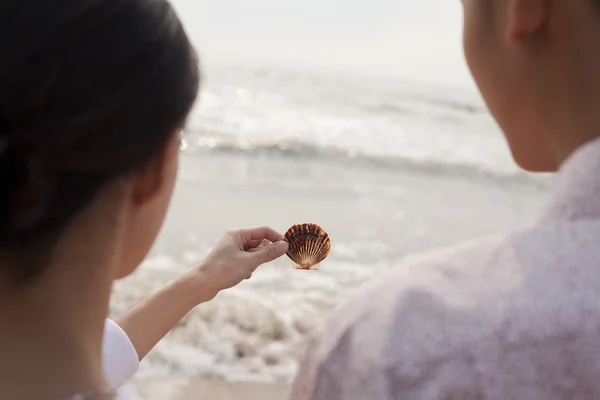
(388, 168)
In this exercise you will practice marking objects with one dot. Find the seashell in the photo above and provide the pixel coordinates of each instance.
(309, 244)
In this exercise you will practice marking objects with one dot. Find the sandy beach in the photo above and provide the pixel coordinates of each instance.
(197, 389)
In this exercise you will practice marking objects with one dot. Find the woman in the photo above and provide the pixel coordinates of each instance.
(512, 317)
(93, 96)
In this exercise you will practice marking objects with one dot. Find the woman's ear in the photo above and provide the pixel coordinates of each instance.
(525, 19)
(149, 194)
(150, 181)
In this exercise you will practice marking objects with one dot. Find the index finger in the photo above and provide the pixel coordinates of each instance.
(261, 233)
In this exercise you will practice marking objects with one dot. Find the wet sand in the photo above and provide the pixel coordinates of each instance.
(204, 388)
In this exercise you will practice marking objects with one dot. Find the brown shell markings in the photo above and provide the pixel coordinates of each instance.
(309, 244)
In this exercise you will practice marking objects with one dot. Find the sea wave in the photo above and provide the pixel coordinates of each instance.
(292, 149)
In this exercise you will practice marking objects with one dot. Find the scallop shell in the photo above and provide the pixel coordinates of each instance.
(309, 244)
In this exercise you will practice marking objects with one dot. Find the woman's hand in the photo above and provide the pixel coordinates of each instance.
(238, 254)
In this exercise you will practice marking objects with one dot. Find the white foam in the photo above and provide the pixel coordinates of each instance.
(255, 331)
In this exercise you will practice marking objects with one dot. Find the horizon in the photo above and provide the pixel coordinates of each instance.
(399, 39)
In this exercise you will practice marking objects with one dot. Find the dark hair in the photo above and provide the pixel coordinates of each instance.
(90, 91)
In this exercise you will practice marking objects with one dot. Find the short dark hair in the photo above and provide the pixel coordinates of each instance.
(90, 91)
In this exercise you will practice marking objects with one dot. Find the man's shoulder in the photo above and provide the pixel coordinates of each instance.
(452, 272)
(524, 266)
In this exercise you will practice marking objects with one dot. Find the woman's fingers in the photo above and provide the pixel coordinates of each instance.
(256, 244)
(268, 253)
(260, 233)
(261, 244)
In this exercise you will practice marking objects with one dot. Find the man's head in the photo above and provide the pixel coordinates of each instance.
(536, 62)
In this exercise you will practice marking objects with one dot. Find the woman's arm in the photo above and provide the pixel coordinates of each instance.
(130, 337)
(234, 259)
(147, 323)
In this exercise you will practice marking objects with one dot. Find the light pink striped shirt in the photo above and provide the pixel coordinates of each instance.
(512, 317)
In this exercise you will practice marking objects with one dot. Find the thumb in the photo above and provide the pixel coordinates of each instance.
(270, 252)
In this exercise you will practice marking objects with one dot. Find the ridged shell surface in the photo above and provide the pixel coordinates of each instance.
(309, 244)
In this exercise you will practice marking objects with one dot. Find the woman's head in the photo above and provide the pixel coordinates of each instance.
(93, 94)
(536, 63)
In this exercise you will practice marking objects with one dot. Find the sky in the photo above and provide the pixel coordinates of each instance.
(419, 40)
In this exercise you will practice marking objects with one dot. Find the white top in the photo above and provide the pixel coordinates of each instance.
(512, 317)
(120, 358)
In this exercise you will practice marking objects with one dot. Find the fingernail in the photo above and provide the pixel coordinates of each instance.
(282, 247)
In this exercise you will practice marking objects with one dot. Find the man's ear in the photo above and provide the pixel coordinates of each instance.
(149, 182)
(525, 19)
